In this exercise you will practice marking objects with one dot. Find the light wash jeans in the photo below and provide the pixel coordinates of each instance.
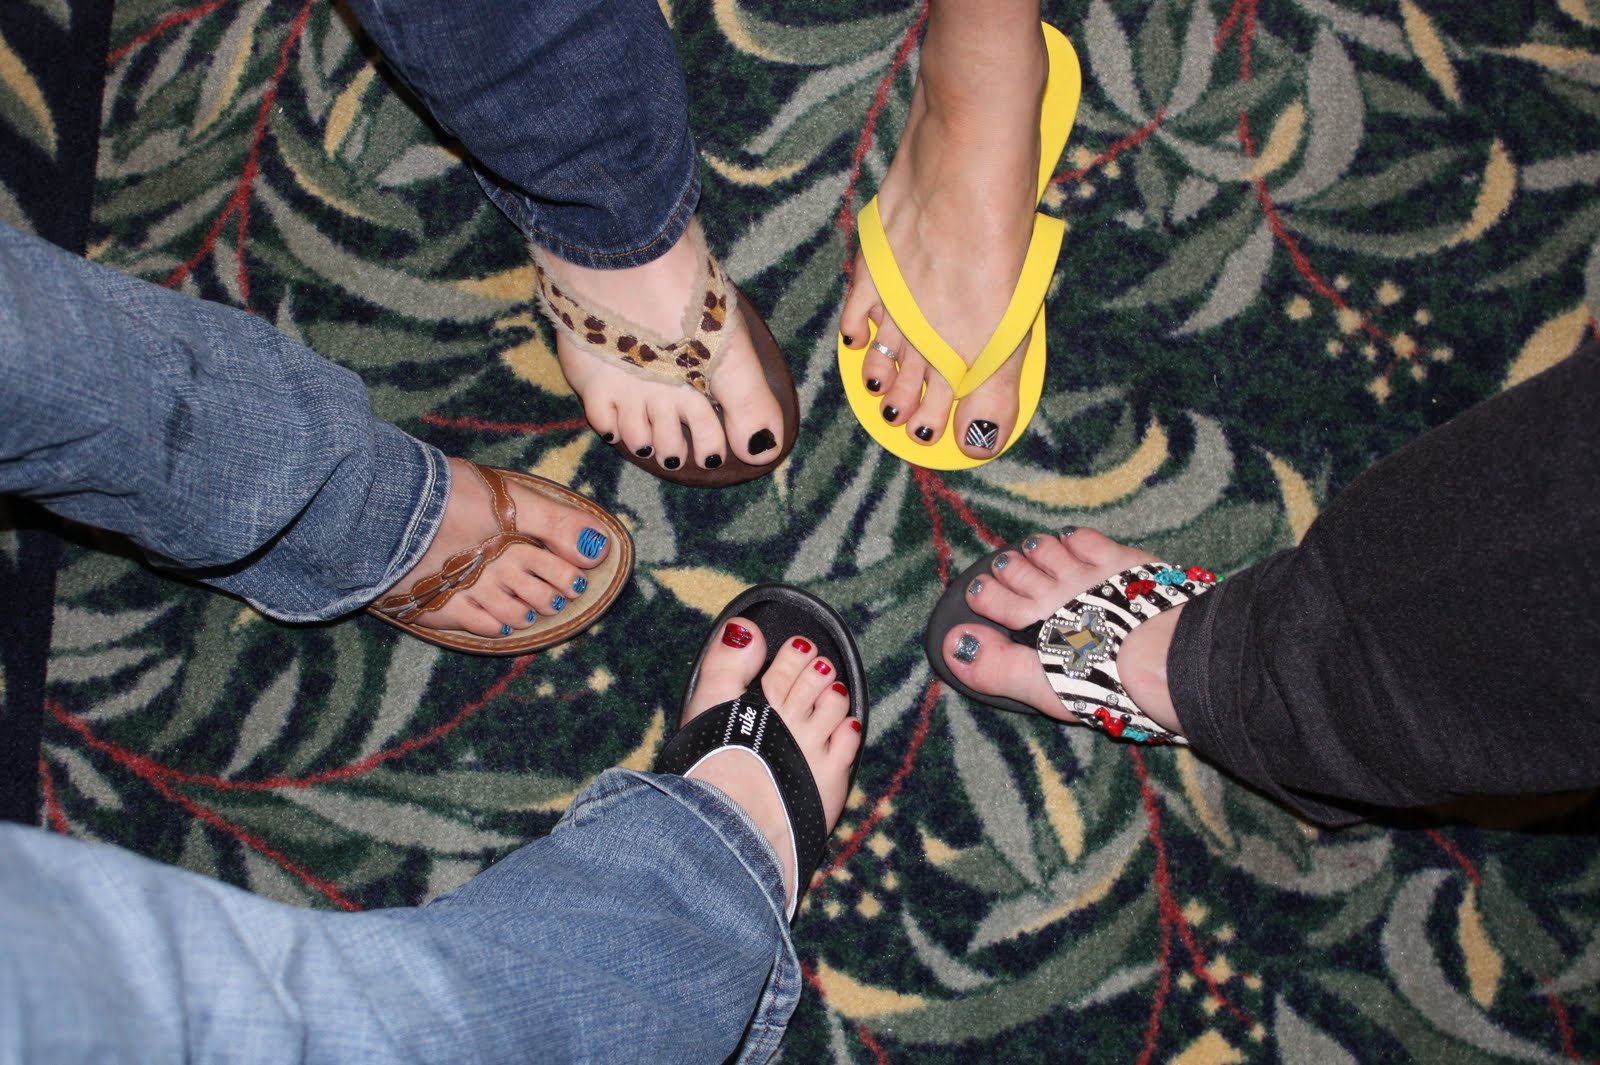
(648, 927)
(574, 112)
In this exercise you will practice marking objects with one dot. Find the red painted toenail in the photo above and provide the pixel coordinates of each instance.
(737, 635)
(841, 689)
(822, 667)
(855, 724)
(803, 646)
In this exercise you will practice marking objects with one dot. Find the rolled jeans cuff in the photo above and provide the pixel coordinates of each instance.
(730, 824)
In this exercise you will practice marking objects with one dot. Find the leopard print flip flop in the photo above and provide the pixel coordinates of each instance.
(687, 362)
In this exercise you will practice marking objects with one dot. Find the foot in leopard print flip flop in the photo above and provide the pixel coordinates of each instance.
(1074, 626)
(675, 368)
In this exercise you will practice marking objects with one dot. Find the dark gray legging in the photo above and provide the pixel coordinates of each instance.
(1437, 632)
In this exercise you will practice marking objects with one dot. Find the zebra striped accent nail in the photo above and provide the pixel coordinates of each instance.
(982, 434)
(591, 542)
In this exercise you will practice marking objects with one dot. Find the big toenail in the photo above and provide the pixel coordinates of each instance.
(891, 413)
(967, 648)
(645, 452)
(737, 635)
(1002, 561)
(822, 667)
(873, 384)
(713, 461)
(591, 542)
(558, 603)
(1031, 544)
(505, 630)
(982, 435)
(672, 462)
(580, 586)
(762, 440)
(924, 433)
(803, 646)
(976, 586)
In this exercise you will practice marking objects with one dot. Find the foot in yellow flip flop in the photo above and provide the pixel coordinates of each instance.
(942, 345)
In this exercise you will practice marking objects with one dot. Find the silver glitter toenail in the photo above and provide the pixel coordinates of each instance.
(976, 586)
(967, 648)
(1068, 530)
(1031, 544)
(1002, 561)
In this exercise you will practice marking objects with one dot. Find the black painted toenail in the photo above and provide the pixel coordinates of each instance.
(762, 440)
(713, 461)
(672, 462)
(891, 413)
(849, 341)
(924, 433)
(610, 438)
(873, 384)
(645, 452)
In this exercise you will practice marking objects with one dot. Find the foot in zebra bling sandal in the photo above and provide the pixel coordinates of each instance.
(774, 716)
(1055, 625)
(687, 381)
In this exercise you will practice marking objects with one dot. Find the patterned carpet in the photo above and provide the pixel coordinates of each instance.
(1300, 233)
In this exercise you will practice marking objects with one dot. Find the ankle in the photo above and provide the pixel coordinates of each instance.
(1142, 666)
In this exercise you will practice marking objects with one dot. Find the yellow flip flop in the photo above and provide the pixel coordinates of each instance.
(1025, 312)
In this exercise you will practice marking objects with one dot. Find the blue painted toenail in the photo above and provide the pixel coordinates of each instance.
(590, 543)
(532, 615)
(559, 603)
(505, 630)
(580, 586)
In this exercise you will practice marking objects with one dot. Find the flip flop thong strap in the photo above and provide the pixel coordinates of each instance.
(690, 359)
(1021, 313)
(1079, 643)
(461, 570)
(750, 723)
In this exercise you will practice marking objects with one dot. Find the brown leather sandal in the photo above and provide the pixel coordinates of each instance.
(462, 570)
(687, 362)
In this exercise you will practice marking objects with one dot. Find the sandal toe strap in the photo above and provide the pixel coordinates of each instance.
(750, 723)
(1079, 643)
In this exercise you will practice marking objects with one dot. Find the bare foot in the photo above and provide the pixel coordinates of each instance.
(1026, 586)
(524, 581)
(958, 204)
(651, 417)
(806, 692)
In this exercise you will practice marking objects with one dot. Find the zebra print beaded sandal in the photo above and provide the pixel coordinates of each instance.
(1078, 644)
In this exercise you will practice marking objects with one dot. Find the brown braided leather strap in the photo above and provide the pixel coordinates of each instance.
(462, 569)
(688, 360)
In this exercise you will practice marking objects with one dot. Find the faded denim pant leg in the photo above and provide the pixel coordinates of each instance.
(214, 442)
(647, 927)
(574, 112)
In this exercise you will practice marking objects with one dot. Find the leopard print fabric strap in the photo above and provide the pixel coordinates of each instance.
(689, 360)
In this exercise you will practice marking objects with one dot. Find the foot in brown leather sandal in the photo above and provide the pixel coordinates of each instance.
(713, 407)
(519, 563)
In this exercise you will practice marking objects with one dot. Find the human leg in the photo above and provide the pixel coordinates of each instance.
(958, 209)
(1421, 643)
(650, 925)
(575, 115)
(223, 448)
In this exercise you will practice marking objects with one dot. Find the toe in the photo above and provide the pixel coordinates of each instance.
(903, 397)
(750, 412)
(1003, 600)
(567, 533)
(879, 368)
(730, 664)
(708, 447)
(603, 417)
(795, 657)
(668, 446)
(988, 662)
(985, 419)
(928, 424)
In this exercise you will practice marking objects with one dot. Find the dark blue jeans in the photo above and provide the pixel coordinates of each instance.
(575, 114)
